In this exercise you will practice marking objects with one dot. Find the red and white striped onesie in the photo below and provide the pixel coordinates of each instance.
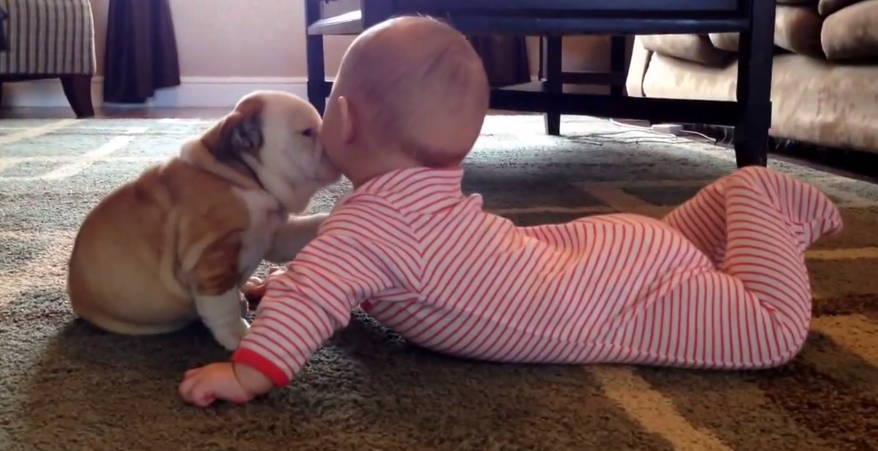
(720, 283)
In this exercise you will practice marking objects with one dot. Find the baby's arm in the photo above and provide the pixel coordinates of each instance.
(305, 305)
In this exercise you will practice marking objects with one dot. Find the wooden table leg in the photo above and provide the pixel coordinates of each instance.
(316, 63)
(754, 86)
(617, 62)
(552, 82)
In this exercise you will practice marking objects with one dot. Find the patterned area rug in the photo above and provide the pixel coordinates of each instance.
(66, 386)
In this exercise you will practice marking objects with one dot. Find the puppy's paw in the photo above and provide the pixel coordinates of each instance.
(230, 336)
(245, 307)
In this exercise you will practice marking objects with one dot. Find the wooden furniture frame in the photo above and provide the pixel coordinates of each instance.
(553, 19)
(77, 90)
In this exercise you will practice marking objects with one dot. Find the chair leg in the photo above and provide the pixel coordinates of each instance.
(314, 54)
(552, 83)
(754, 87)
(77, 89)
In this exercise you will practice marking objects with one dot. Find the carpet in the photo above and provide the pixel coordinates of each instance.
(66, 386)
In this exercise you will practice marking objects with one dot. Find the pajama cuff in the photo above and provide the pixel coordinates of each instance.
(251, 358)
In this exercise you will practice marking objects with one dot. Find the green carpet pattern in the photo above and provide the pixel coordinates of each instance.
(66, 386)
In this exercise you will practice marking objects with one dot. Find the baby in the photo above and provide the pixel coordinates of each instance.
(720, 283)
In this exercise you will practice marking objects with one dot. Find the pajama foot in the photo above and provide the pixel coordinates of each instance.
(810, 213)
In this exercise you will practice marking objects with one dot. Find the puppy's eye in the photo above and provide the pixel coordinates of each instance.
(308, 132)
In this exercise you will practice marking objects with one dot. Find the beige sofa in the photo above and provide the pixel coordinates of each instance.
(825, 71)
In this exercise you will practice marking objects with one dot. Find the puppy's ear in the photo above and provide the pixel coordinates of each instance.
(239, 133)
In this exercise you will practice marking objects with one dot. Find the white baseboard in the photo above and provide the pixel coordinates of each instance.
(193, 92)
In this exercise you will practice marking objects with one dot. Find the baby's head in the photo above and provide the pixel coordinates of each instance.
(410, 92)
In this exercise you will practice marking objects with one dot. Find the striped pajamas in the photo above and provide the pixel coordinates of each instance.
(719, 283)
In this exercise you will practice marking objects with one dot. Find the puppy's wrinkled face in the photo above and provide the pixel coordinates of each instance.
(274, 136)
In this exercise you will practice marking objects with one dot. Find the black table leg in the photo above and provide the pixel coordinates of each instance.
(377, 11)
(754, 86)
(552, 83)
(617, 62)
(317, 92)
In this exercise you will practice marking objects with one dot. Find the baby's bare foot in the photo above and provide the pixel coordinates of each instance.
(254, 289)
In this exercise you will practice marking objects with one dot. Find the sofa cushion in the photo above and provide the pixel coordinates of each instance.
(797, 29)
(687, 47)
(827, 7)
(852, 32)
(811, 100)
(725, 41)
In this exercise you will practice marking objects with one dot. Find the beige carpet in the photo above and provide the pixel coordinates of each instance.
(65, 386)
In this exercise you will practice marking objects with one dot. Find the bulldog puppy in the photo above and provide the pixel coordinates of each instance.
(176, 244)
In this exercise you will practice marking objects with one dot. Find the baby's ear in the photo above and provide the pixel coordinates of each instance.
(348, 128)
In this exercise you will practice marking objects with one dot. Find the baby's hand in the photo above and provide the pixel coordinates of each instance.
(254, 289)
(224, 382)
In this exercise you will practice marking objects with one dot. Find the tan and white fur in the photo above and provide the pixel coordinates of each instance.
(176, 244)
